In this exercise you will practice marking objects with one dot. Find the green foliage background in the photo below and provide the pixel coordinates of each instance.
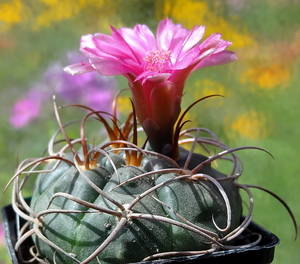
(261, 89)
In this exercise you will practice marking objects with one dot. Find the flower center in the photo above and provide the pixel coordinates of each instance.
(156, 60)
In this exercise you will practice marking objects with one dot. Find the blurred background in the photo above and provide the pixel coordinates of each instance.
(261, 89)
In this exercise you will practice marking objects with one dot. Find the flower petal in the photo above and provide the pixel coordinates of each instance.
(79, 68)
(111, 46)
(193, 38)
(220, 58)
(166, 33)
(109, 67)
(141, 38)
(153, 77)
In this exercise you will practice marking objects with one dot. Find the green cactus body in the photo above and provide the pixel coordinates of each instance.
(136, 231)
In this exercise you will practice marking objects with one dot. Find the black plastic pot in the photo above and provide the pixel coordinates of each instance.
(263, 253)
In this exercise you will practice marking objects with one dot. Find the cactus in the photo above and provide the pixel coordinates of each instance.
(137, 212)
(119, 202)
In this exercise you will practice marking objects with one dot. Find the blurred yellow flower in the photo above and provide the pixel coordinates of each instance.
(47, 12)
(250, 125)
(10, 14)
(209, 87)
(187, 12)
(57, 10)
(268, 77)
(124, 105)
(192, 12)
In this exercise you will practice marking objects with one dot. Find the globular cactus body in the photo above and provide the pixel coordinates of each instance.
(92, 216)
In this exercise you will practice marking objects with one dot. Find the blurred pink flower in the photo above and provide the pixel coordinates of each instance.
(2, 235)
(90, 89)
(26, 109)
(156, 69)
(82, 89)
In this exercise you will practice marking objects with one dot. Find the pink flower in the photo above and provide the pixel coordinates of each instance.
(26, 109)
(90, 89)
(156, 68)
